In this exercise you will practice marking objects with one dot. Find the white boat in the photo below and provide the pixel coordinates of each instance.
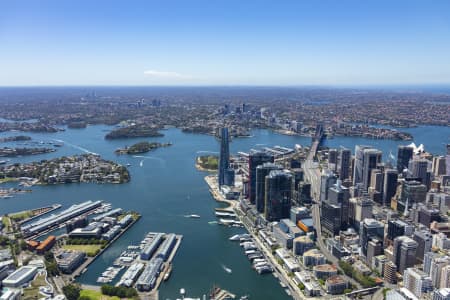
(235, 237)
(228, 270)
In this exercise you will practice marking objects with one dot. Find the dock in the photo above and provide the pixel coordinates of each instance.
(83, 267)
(167, 268)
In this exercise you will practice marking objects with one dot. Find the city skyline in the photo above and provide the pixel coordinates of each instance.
(228, 43)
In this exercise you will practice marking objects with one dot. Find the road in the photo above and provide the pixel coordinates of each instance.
(312, 175)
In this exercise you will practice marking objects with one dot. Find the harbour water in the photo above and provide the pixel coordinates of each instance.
(164, 187)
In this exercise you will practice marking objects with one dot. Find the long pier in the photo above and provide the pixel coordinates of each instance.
(83, 267)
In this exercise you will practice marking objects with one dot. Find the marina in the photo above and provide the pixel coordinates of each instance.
(146, 265)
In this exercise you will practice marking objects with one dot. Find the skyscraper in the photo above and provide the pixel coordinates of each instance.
(419, 168)
(411, 192)
(389, 186)
(261, 172)
(439, 167)
(255, 159)
(359, 164)
(224, 159)
(424, 241)
(404, 154)
(447, 160)
(344, 160)
(404, 252)
(340, 195)
(371, 159)
(326, 181)
(278, 195)
(370, 229)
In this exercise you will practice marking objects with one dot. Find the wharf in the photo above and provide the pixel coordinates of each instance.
(54, 227)
(211, 180)
(167, 268)
(83, 267)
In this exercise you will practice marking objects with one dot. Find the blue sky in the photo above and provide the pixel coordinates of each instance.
(189, 42)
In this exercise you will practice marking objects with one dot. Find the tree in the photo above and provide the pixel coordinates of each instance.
(72, 291)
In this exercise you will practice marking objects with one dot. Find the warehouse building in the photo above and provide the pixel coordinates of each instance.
(167, 246)
(125, 221)
(20, 277)
(151, 247)
(147, 280)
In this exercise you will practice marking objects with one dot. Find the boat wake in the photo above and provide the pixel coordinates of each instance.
(76, 147)
(206, 151)
(228, 270)
(141, 163)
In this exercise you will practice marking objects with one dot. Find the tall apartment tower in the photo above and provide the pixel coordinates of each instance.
(224, 159)
(255, 159)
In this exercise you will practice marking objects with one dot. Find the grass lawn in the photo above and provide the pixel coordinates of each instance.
(90, 250)
(135, 215)
(8, 179)
(32, 292)
(7, 223)
(95, 295)
(21, 215)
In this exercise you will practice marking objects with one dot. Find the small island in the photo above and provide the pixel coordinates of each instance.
(13, 152)
(133, 131)
(208, 163)
(16, 138)
(141, 147)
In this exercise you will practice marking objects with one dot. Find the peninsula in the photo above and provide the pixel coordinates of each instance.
(16, 138)
(13, 152)
(77, 168)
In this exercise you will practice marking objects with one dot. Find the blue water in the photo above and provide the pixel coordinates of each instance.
(166, 187)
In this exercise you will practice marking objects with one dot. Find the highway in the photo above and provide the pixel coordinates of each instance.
(312, 175)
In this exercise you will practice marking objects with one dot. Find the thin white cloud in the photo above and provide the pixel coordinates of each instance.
(166, 75)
